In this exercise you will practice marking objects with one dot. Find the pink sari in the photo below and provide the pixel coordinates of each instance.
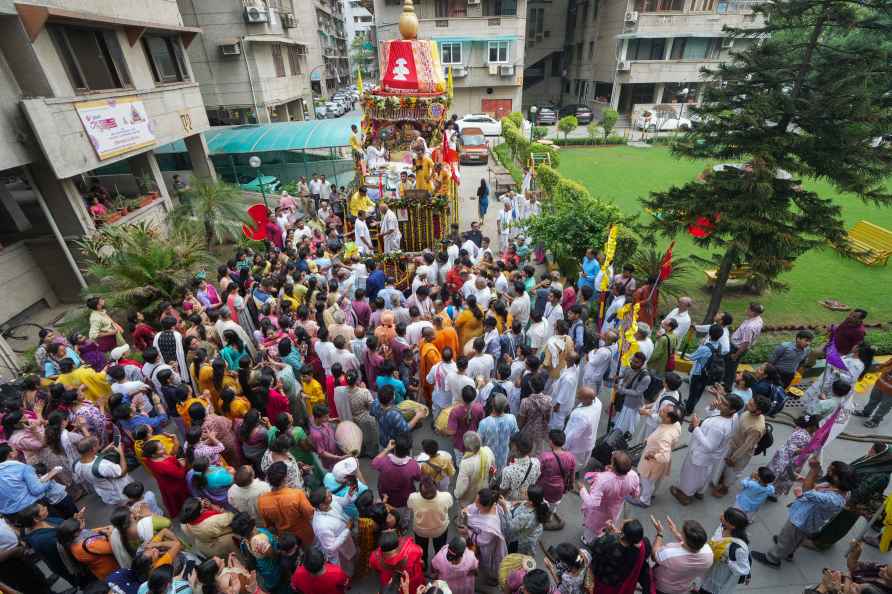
(486, 534)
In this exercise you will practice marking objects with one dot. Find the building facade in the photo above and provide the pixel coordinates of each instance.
(252, 61)
(623, 53)
(543, 58)
(86, 84)
(482, 40)
(359, 23)
(326, 18)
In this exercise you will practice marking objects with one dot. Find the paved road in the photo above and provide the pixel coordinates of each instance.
(791, 579)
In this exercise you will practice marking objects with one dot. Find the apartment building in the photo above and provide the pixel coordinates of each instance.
(359, 23)
(253, 60)
(627, 53)
(483, 42)
(86, 85)
(326, 17)
(543, 58)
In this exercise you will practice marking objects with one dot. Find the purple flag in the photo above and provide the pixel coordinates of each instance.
(832, 354)
(819, 438)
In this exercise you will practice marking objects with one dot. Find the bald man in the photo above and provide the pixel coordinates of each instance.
(682, 317)
(582, 427)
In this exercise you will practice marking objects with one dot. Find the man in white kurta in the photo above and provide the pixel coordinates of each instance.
(362, 235)
(390, 230)
(599, 361)
(707, 446)
(582, 427)
(169, 343)
(332, 530)
(563, 393)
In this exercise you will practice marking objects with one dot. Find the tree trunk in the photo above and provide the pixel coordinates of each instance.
(721, 281)
(806, 63)
(208, 232)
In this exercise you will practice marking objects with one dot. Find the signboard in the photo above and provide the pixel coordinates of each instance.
(116, 126)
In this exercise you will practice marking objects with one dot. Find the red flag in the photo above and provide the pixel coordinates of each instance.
(380, 187)
(401, 73)
(666, 263)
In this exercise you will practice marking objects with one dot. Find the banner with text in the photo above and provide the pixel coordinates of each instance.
(116, 126)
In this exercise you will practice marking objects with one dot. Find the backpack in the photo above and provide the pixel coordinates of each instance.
(496, 389)
(654, 388)
(778, 400)
(589, 340)
(766, 441)
(714, 370)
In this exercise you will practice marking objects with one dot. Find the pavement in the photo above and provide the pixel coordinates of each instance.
(792, 578)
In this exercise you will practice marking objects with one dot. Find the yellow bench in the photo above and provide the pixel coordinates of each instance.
(737, 273)
(871, 243)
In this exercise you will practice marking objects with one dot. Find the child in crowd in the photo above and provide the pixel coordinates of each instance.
(312, 389)
(436, 464)
(756, 490)
(136, 494)
(743, 384)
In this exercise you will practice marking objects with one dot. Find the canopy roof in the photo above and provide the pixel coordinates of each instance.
(284, 136)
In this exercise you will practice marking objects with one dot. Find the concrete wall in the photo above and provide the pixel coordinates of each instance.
(19, 269)
(470, 100)
(53, 265)
(154, 11)
(16, 147)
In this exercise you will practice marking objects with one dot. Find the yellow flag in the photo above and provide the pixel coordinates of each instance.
(359, 81)
(450, 88)
(630, 337)
(609, 251)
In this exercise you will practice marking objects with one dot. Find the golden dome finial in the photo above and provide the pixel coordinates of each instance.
(408, 21)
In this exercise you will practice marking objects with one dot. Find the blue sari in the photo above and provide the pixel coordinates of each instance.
(590, 270)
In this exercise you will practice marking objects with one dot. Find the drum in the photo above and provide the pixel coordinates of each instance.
(443, 420)
(349, 437)
(409, 408)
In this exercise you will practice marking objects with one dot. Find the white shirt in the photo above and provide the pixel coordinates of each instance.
(324, 190)
(538, 333)
(414, 330)
(582, 430)
(596, 365)
(709, 441)
(389, 222)
(683, 319)
(455, 381)
(520, 308)
(481, 365)
(484, 296)
(374, 155)
(472, 249)
(325, 350)
(110, 488)
(553, 313)
(244, 499)
(563, 395)
(300, 234)
(361, 236)
(315, 186)
(346, 358)
(506, 223)
(332, 533)
(646, 347)
(501, 284)
(724, 341)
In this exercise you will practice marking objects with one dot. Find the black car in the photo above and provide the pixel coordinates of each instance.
(583, 114)
(546, 115)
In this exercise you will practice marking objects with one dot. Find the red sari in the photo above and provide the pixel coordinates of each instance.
(407, 557)
(171, 479)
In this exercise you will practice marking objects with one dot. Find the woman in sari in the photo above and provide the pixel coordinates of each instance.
(456, 565)
(210, 482)
(233, 350)
(395, 554)
(233, 406)
(475, 469)
(359, 407)
(872, 473)
(783, 463)
(469, 323)
(212, 377)
(209, 527)
(483, 527)
(90, 547)
(88, 351)
(83, 413)
(169, 473)
(103, 329)
(251, 434)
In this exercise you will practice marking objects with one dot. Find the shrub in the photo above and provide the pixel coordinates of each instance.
(597, 140)
(503, 156)
(609, 117)
(547, 178)
(567, 124)
(544, 148)
(539, 132)
(516, 118)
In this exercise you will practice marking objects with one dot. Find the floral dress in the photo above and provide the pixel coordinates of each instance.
(524, 528)
(573, 583)
(293, 478)
(782, 464)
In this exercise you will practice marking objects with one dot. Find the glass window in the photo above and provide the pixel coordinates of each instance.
(278, 62)
(498, 52)
(556, 64)
(696, 48)
(646, 49)
(92, 58)
(450, 52)
(166, 58)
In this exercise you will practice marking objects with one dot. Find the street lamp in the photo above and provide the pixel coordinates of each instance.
(533, 110)
(255, 162)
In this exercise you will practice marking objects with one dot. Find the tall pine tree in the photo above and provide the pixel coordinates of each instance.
(806, 98)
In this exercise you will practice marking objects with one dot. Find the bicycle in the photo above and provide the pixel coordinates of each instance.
(9, 335)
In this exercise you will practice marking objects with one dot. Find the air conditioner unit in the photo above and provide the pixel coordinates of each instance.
(624, 66)
(459, 72)
(288, 20)
(231, 49)
(632, 16)
(727, 43)
(256, 14)
(506, 70)
(473, 2)
(493, 69)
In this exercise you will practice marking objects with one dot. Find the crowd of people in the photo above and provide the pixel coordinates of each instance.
(476, 395)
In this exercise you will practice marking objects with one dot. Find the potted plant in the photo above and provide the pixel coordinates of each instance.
(147, 185)
(120, 203)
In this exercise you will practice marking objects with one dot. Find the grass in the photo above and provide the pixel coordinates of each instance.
(624, 174)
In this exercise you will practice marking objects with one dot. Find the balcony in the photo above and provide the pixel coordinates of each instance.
(677, 23)
(176, 111)
(663, 71)
(462, 27)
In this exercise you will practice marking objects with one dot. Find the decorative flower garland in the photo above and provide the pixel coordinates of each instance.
(436, 105)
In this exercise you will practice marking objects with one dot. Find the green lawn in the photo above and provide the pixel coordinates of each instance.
(624, 174)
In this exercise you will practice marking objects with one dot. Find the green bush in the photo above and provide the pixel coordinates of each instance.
(515, 117)
(544, 148)
(503, 156)
(539, 132)
(547, 178)
(879, 339)
(597, 140)
(567, 124)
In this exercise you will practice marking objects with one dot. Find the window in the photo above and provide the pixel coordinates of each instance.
(585, 12)
(165, 55)
(595, 11)
(696, 48)
(661, 5)
(498, 52)
(591, 50)
(294, 59)
(92, 58)
(578, 52)
(556, 64)
(536, 22)
(277, 59)
(450, 52)
(646, 49)
(492, 8)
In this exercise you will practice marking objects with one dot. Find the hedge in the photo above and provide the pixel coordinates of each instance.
(502, 154)
(598, 140)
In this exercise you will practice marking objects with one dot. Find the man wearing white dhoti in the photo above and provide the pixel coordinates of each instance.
(390, 230)
(582, 427)
(563, 393)
(169, 343)
(332, 529)
(708, 445)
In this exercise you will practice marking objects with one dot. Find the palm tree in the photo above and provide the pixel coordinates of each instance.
(647, 265)
(136, 266)
(217, 206)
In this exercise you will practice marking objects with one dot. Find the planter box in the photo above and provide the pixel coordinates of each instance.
(148, 199)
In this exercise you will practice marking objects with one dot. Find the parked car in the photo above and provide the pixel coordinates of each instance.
(321, 112)
(472, 147)
(488, 124)
(546, 115)
(672, 123)
(583, 113)
(335, 109)
(271, 184)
